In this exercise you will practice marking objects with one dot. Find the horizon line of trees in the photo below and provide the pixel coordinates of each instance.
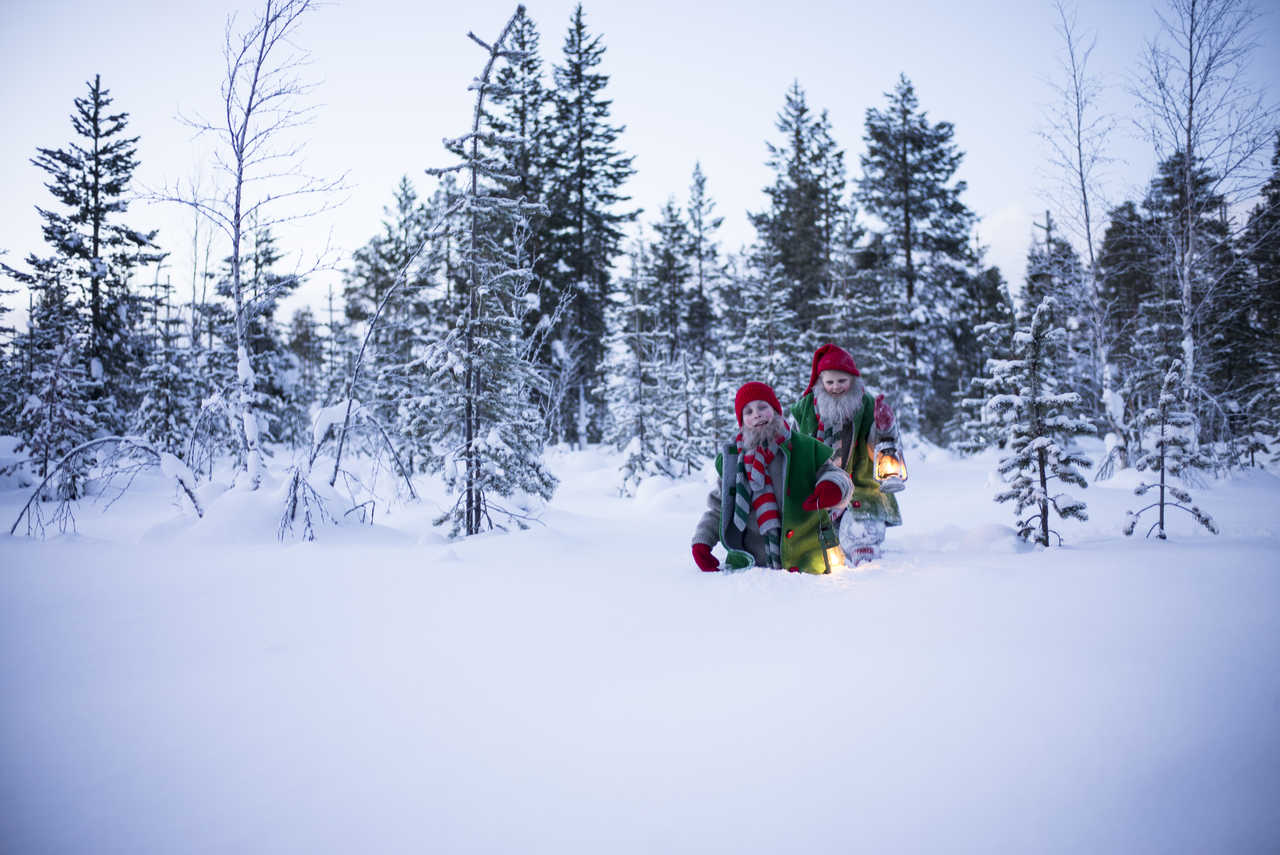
(640, 339)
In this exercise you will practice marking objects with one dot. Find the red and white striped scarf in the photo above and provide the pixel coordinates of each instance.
(759, 496)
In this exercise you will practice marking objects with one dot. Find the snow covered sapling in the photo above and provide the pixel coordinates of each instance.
(338, 420)
(1172, 453)
(114, 457)
(1041, 447)
(262, 94)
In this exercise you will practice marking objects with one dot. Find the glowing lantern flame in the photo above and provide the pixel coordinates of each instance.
(891, 471)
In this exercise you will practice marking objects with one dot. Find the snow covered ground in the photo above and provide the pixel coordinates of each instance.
(180, 687)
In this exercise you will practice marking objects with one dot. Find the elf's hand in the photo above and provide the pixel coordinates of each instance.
(884, 415)
(702, 556)
(825, 495)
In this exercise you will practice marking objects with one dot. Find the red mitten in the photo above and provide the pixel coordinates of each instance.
(825, 495)
(702, 556)
(884, 415)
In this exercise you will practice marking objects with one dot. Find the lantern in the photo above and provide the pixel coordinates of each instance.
(891, 469)
(829, 541)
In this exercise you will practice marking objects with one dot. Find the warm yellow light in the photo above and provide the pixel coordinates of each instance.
(888, 466)
(835, 558)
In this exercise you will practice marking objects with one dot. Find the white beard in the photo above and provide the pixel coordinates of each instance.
(765, 436)
(836, 412)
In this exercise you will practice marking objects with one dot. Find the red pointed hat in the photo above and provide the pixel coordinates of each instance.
(754, 392)
(830, 358)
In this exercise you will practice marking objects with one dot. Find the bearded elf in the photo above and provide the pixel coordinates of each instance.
(776, 487)
(837, 410)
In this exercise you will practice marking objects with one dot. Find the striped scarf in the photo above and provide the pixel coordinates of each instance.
(754, 492)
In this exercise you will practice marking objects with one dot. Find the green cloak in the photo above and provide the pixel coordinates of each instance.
(868, 501)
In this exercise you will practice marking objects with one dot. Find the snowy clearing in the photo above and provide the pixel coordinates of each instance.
(174, 685)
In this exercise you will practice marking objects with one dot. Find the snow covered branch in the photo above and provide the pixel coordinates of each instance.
(120, 459)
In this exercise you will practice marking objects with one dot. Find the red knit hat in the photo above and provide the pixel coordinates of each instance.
(754, 392)
(830, 358)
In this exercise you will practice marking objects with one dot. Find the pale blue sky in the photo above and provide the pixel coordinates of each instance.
(690, 81)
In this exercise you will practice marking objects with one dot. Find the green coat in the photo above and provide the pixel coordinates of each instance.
(802, 455)
(868, 501)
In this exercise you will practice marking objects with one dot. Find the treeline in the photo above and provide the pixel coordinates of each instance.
(630, 332)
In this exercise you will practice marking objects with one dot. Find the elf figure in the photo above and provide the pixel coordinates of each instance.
(837, 410)
(770, 508)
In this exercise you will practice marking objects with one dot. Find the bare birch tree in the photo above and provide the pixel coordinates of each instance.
(257, 166)
(1203, 114)
(1076, 130)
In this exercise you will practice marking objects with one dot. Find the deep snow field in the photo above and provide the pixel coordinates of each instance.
(180, 686)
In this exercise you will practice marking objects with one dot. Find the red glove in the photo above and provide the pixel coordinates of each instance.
(825, 495)
(702, 556)
(884, 415)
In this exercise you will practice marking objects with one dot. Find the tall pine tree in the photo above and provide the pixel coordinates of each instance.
(584, 174)
(94, 252)
(704, 259)
(799, 227)
(908, 183)
(1261, 411)
(487, 435)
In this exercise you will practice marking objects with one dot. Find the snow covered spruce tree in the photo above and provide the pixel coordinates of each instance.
(771, 346)
(276, 400)
(975, 426)
(1262, 248)
(798, 229)
(981, 298)
(843, 303)
(397, 265)
(672, 270)
(94, 253)
(655, 403)
(166, 414)
(1126, 277)
(908, 183)
(707, 335)
(489, 436)
(517, 113)
(634, 364)
(1173, 452)
(1041, 449)
(306, 347)
(1054, 270)
(704, 262)
(56, 412)
(9, 375)
(584, 173)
